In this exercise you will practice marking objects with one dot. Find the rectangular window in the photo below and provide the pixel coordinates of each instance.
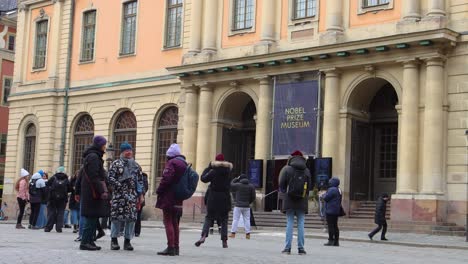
(89, 29)
(371, 3)
(7, 83)
(243, 14)
(41, 44)
(305, 8)
(129, 28)
(174, 23)
(3, 144)
(11, 42)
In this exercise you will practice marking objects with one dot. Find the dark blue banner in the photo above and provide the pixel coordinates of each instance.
(256, 173)
(295, 117)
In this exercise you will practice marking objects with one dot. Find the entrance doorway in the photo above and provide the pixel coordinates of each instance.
(374, 141)
(237, 119)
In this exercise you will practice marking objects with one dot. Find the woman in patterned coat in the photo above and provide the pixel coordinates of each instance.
(126, 182)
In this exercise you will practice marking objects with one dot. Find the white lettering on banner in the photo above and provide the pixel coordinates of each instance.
(295, 118)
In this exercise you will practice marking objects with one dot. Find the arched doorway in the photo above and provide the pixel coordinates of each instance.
(237, 121)
(125, 129)
(374, 139)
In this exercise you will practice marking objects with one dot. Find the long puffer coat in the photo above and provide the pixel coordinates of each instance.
(219, 198)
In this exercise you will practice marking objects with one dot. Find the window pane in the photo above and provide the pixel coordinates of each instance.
(129, 28)
(6, 89)
(29, 148)
(41, 42)
(89, 28)
(174, 23)
(11, 43)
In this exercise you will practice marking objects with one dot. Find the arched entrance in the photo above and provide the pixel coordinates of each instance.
(236, 123)
(374, 139)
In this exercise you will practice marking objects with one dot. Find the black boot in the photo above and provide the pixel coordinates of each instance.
(336, 243)
(88, 247)
(225, 245)
(169, 251)
(115, 244)
(329, 243)
(176, 251)
(127, 245)
(200, 241)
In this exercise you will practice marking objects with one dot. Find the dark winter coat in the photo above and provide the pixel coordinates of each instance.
(380, 211)
(175, 168)
(93, 165)
(73, 204)
(145, 187)
(244, 192)
(219, 198)
(296, 164)
(50, 185)
(41, 190)
(124, 192)
(333, 198)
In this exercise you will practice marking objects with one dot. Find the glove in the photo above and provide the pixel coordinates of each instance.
(77, 198)
(105, 196)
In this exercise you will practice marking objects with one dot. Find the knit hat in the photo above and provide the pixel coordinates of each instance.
(60, 169)
(99, 141)
(125, 146)
(41, 172)
(24, 173)
(296, 153)
(220, 157)
(173, 151)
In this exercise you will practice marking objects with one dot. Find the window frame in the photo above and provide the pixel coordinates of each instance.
(83, 36)
(294, 11)
(167, 9)
(32, 156)
(7, 47)
(80, 135)
(232, 10)
(6, 77)
(374, 8)
(122, 29)
(3, 145)
(124, 132)
(36, 25)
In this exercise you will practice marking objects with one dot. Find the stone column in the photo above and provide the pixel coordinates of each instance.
(263, 128)
(334, 15)
(411, 10)
(433, 147)
(190, 124)
(330, 140)
(196, 26)
(407, 177)
(210, 26)
(268, 21)
(436, 8)
(204, 141)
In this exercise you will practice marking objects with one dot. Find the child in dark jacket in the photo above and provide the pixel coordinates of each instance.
(379, 219)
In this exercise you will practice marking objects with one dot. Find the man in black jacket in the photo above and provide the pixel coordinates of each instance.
(244, 194)
(380, 219)
(59, 187)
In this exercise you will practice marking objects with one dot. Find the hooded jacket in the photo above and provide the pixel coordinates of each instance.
(333, 198)
(173, 171)
(296, 164)
(219, 199)
(50, 183)
(244, 192)
(380, 211)
(41, 194)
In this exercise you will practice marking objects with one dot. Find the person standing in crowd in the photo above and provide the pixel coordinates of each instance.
(59, 187)
(73, 204)
(167, 202)
(244, 194)
(37, 195)
(126, 181)
(380, 217)
(93, 193)
(295, 184)
(219, 200)
(42, 217)
(140, 205)
(333, 198)
(22, 197)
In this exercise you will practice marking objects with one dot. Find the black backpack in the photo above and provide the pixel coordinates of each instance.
(32, 187)
(297, 186)
(59, 189)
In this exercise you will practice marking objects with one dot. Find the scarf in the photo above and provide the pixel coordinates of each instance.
(131, 171)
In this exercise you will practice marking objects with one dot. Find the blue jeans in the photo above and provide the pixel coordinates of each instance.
(74, 217)
(82, 223)
(300, 228)
(129, 228)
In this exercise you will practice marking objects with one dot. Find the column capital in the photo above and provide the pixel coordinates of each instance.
(409, 62)
(435, 60)
(264, 79)
(190, 88)
(205, 86)
(331, 72)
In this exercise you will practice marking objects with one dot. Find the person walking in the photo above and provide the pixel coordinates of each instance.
(140, 205)
(333, 210)
(380, 217)
(73, 204)
(37, 195)
(93, 193)
(219, 200)
(167, 202)
(244, 194)
(295, 184)
(59, 187)
(126, 181)
(22, 197)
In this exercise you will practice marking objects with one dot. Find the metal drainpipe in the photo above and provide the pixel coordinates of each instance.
(67, 85)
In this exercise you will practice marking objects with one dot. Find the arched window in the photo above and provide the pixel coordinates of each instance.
(167, 134)
(125, 130)
(29, 148)
(83, 135)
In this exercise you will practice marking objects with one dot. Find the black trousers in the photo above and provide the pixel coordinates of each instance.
(22, 205)
(138, 222)
(382, 226)
(209, 222)
(333, 231)
(55, 211)
(35, 208)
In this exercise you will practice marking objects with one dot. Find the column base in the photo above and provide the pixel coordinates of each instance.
(434, 22)
(418, 207)
(331, 37)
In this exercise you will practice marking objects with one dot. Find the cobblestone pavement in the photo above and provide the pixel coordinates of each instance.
(29, 246)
